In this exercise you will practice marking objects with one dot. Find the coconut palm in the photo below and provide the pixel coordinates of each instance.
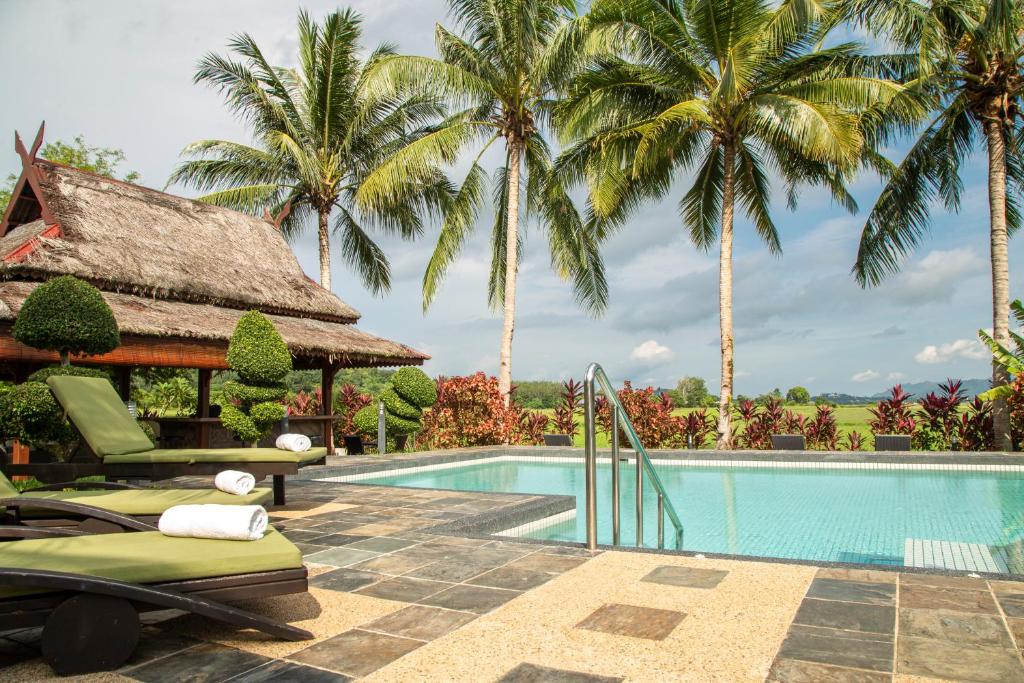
(319, 131)
(968, 62)
(731, 89)
(497, 76)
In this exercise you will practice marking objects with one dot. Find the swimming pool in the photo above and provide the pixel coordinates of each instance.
(873, 515)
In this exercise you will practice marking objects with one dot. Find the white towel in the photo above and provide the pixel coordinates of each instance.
(233, 481)
(226, 522)
(293, 442)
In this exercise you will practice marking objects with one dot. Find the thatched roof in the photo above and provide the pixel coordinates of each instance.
(124, 237)
(141, 316)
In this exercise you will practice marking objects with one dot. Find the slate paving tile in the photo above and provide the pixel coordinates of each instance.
(853, 616)
(310, 548)
(633, 621)
(344, 579)
(687, 577)
(531, 673)
(454, 569)
(551, 564)
(576, 551)
(797, 671)
(288, 672)
(957, 627)
(838, 647)
(300, 535)
(382, 544)
(848, 574)
(338, 539)
(929, 597)
(356, 652)
(207, 663)
(511, 577)
(155, 643)
(943, 581)
(940, 659)
(421, 622)
(1017, 631)
(477, 599)
(341, 556)
(1013, 605)
(393, 564)
(404, 589)
(853, 591)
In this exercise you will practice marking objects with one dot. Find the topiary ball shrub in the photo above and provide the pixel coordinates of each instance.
(65, 370)
(257, 352)
(398, 406)
(365, 421)
(415, 386)
(69, 316)
(246, 393)
(30, 414)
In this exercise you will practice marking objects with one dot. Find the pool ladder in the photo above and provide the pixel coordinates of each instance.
(597, 379)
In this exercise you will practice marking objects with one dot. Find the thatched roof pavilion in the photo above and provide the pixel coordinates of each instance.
(178, 273)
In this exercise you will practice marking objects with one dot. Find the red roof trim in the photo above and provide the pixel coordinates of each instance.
(22, 252)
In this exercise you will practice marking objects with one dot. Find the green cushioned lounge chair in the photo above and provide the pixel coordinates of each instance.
(74, 503)
(124, 451)
(87, 590)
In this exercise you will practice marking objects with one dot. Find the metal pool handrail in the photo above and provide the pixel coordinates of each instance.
(596, 376)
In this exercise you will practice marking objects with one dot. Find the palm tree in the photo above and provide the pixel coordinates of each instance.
(733, 89)
(967, 55)
(497, 76)
(319, 132)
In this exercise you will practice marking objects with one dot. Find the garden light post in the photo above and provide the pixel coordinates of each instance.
(382, 437)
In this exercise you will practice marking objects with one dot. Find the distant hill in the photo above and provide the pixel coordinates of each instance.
(971, 387)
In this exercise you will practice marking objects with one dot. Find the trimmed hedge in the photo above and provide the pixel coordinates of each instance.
(67, 315)
(29, 413)
(398, 406)
(67, 370)
(413, 385)
(257, 352)
(238, 423)
(365, 421)
(246, 393)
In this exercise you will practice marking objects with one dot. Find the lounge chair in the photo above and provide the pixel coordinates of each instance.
(73, 503)
(87, 590)
(123, 451)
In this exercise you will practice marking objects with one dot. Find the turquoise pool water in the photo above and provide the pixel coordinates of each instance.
(841, 515)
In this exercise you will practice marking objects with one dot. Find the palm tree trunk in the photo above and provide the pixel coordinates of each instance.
(1000, 272)
(511, 268)
(324, 235)
(725, 302)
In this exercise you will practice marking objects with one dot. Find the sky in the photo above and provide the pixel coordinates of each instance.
(120, 73)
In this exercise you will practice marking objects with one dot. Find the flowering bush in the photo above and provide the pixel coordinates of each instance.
(469, 412)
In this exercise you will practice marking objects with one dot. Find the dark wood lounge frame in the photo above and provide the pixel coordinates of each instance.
(91, 623)
(84, 519)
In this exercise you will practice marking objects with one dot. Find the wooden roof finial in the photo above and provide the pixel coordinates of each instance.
(28, 156)
(276, 222)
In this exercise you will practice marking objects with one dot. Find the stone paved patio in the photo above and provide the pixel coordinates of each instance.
(389, 601)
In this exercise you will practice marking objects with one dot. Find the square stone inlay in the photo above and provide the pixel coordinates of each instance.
(853, 591)
(796, 671)
(838, 647)
(531, 673)
(356, 652)
(688, 577)
(421, 622)
(956, 627)
(942, 659)
(850, 616)
(928, 597)
(633, 621)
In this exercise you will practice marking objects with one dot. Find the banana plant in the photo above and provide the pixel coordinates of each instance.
(1011, 360)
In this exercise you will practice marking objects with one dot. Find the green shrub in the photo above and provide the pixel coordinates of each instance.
(69, 316)
(239, 424)
(67, 370)
(247, 393)
(29, 413)
(257, 352)
(414, 386)
(398, 406)
(365, 421)
(266, 414)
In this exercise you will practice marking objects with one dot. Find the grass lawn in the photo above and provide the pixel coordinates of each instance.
(848, 419)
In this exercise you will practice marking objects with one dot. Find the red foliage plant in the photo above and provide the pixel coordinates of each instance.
(305, 402)
(854, 441)
(697, 426)
(822, 432)
(470, 412)
(347, 402)
(893, 415)
(565, 412)
(651, 417)
(975, 429)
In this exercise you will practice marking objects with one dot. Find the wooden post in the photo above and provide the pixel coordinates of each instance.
(124, 381)
(19, 456)
(327, 403)
(204, 406)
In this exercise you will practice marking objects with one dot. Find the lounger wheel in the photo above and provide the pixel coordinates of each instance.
(88, 633)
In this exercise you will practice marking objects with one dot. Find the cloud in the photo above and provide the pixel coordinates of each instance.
(961, 348)
(865, 376)
(891, 331)
(895, 376)
(651, 352)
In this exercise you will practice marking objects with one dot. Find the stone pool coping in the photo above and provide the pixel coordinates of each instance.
(487, 525)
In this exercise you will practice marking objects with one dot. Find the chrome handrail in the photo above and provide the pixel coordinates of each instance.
(596, 376)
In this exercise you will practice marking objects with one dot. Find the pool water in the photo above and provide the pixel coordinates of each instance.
(840, 515)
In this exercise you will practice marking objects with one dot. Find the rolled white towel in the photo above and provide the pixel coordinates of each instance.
(293, 442)
(233, 481)
(225, 522)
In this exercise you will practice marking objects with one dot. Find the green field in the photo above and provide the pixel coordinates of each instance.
(848, 419)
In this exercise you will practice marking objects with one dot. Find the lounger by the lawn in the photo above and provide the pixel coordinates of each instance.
(86, 590)
(145, 503)
(122, 449)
